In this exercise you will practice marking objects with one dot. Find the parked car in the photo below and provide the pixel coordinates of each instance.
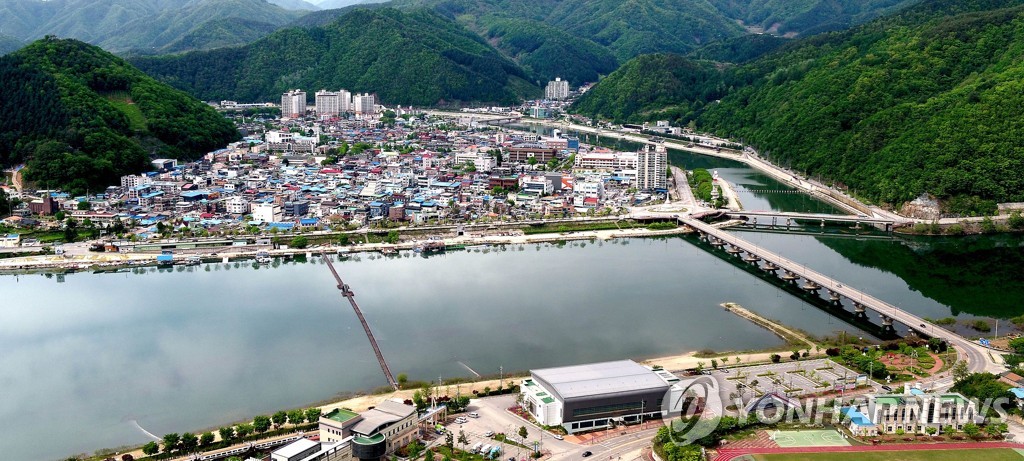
(474, 415)
(558, 437)
(488, 433)
(587, 453)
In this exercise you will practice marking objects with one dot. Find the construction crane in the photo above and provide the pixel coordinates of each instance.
(347, 293)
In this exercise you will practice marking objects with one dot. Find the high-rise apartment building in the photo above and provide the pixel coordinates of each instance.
(363, 103)
(652, 168)
(328, 103)
(557, 89)
(293, 104)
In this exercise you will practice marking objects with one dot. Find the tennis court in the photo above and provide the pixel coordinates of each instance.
(811, 438)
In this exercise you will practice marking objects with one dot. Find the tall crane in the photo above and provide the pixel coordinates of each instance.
(347, 293)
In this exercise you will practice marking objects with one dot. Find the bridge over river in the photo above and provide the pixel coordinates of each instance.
(979, 358)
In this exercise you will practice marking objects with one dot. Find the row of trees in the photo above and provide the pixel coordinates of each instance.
(189, 442)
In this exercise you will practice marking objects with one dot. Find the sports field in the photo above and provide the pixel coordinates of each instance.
(817, 438)
(985, 454)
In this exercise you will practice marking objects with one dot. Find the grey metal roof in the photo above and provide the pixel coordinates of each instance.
(386, 412)
(599, 379)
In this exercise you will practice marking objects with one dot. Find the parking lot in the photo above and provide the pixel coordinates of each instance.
(495, 419)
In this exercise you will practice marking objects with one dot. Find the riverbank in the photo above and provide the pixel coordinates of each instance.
(117, 261)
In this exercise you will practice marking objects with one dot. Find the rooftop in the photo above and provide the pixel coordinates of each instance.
(387, 412)
(340, 415)
(599, 379)
(295, 448)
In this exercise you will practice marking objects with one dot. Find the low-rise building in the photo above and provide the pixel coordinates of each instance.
(913, 412)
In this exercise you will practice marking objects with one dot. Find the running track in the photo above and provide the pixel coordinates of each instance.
(727, 454)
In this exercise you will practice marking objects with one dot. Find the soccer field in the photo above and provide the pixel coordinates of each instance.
(988, 454)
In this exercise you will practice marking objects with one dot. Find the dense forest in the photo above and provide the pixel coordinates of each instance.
(926, 100)
(654, 87)
(547, 52)
(807, 17)
(406, 57)
(80, 117)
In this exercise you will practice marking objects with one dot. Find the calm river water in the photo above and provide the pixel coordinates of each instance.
(85, 357)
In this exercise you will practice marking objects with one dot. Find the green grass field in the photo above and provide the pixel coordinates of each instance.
(122, 101)
(989, 454)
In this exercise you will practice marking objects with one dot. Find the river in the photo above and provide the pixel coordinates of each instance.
(85, 356)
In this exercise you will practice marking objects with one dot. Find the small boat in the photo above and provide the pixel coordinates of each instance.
(193, 261)
(263, 257)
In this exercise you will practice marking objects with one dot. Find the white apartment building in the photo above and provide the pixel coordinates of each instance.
(293, 104)
(328, 103)
(363, 103)
(606, 161)
(133, 181)
(274, 136)
(557, 89)
(265, 212)
(236, 205)
(652, 168)
(590, 189)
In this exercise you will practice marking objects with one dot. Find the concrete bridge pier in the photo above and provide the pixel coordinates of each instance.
(887, 324)
(790, 277)
(751, 258)
(770, 267)
(835, 298)
(811, 286)
(859, 310)
(733, 250)
(715, 242)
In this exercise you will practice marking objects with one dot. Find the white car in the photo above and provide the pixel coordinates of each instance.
(488, 433)
(558, 437)
(474, 415)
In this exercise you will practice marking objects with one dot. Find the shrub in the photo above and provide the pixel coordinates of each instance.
(776, 358)
(955, 229)
(981, 326)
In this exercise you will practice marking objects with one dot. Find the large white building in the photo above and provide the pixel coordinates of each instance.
(652, 168)
(609, 161)
(363, 103)
(598, 395)
(293, 104)
(328, 103)
(557, 89)
(266, 212)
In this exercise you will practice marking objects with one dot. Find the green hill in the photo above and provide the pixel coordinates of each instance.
(81, 118)
(547, 52)
(124, 25)
(406, 57)
(220, 33)
(804, 17)
(250, 19)
(653, 86)
(927, 100)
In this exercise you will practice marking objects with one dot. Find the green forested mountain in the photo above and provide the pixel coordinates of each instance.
(804, 17)
(199, 18)
(122, 25)
(927, 100)
(740, 49)
(654, 86)
(9, 44)
(406, 57)
(548, 52)
(81, 117)
(220, 33)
